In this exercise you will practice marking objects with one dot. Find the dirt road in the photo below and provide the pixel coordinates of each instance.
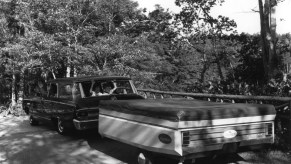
(21, 143)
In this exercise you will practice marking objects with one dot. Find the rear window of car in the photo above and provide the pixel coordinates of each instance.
(66, 91)
(53, 90)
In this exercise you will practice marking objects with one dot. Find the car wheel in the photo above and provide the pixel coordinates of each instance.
(144, 158)
(32, 121)
(61, 129)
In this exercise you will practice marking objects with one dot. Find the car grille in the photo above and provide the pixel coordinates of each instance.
(214, 135)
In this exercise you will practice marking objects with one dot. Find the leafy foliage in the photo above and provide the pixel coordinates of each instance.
(44, 39)
(251, 67)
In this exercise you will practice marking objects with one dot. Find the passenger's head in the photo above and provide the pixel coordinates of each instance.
(107, 88)
(96, 87)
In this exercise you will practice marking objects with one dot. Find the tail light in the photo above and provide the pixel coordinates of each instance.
(186, 138)
(269, 129)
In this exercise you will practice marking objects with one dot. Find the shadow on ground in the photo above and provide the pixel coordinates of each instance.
(42, 145)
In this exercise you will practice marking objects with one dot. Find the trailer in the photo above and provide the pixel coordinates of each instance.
(187, 129)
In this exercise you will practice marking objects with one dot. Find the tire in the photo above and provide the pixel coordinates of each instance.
(144, 158)
(33, 121)
(26, 110)
(61, 129)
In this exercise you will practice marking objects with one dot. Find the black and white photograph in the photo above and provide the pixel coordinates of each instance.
(145, 81)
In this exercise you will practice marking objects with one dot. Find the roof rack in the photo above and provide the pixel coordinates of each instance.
(88, 78)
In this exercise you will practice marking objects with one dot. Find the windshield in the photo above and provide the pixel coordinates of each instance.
(123, 87)
(106, 87)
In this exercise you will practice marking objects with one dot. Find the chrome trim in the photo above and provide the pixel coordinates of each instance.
(209, 144)
(85, 124)
(226, 126)
(40, 117)
(57, 102)
(75, 120)
(218, 147)
(88, 109)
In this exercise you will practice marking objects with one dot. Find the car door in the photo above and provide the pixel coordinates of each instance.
(36, 107)
(36, 102)
(90, 101)
(48, 103)
(65, 106)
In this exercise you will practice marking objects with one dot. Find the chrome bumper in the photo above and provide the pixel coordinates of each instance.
(85, 124)
(219, 148)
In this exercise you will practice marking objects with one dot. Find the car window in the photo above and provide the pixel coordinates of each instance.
(116, 87)
(86, 85)
(66, 91)
(53, 90)
(106, 87)
(123, 87)
(96, 89)
(76, 91)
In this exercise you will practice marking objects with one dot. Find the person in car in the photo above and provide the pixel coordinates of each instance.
(96, 90)
(109, 88)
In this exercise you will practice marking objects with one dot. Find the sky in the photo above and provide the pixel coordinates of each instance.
(238, 10)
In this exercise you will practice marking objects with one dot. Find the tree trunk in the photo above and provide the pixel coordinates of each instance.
(71, 71)
(204, 69)
(265, 52)
(219, 69)
(268, 36)
(13, 93)
(21, 86)
(273, 60)
(68, 71)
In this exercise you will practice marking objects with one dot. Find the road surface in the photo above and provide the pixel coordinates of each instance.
(21, 143)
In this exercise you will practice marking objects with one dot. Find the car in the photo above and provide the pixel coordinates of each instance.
(70, 103)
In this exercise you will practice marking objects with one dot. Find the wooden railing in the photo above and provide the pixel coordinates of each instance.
(282, 105)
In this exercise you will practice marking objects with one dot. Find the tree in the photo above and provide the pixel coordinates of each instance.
(250, 65)
(11, 51)
(206, 33)
(121, 55)
(268, 35)
(283, 49)
(112, 14)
